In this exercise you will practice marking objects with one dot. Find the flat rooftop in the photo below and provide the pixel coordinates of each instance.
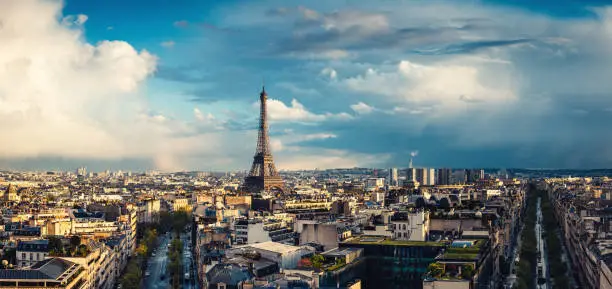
(341, 252)
(273, 247)
(463, 250)
(379, 240)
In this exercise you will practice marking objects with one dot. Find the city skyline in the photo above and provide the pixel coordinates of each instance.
(467, 84)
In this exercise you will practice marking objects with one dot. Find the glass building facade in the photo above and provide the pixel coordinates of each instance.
(384, 266)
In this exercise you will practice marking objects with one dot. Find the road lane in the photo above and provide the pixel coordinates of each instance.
(186, 255)
(157, 266)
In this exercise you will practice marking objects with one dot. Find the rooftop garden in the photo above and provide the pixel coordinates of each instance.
(442, 271)
(74, 248)
(319, 262)
(468, 253)
(391, 242)
(337, 265)
(460, 256)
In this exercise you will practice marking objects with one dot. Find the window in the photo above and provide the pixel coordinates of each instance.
(23, 256)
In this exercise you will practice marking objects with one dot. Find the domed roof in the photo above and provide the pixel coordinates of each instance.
(11, 190)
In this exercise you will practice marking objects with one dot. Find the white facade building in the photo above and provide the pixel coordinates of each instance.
(31, 252)
(410, 226)
(147, 210)
(286, 256)
(258, 231)
(375, 183)
(393, 177)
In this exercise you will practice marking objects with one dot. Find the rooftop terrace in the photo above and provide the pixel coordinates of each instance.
(378, 240)
(463, 250)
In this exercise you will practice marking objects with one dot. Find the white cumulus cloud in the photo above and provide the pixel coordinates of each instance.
(362, 108)
(330, 73)
(446, 85)
(279, 111)
(61, 96)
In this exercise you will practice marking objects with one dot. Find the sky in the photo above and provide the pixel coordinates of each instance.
(173, 84)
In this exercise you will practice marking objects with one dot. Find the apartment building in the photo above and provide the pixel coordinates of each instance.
(128, 222)
(86, 223)
(410, 226)
(92, 263)
(180, 204)
(31, 252)
(49, 273)
(148, 210)
(118, 255)
(251, 231)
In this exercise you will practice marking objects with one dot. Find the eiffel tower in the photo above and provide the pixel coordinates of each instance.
(263, 174)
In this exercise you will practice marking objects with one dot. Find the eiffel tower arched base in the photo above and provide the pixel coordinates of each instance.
(256, 184)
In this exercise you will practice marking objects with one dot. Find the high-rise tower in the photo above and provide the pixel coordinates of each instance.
(263, 174)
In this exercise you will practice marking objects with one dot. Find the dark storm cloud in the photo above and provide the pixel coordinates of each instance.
(469, 47)
(358, 38)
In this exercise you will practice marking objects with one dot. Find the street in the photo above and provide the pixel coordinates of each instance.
(543, 273)
(188, 263)
(514, 253)
(157, 266)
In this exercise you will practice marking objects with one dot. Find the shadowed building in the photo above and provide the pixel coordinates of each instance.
(263, 174)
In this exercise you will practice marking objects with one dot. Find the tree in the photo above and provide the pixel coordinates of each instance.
(132, 277)
(467, 272)
(142, 250)
(317, 261)
(165, 222)
(150, 238)
(55, 246)
(75, 241)
(420, 202)
(436, 269)
(82, 251)
(175, 266)
(445, 203)
(180, 219)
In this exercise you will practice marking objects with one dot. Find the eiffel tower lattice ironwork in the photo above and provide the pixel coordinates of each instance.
(263, 174)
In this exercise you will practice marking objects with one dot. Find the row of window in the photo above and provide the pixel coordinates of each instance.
(33, 256)
(405, 235)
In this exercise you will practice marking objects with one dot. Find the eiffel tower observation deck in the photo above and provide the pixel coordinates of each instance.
(263, 174)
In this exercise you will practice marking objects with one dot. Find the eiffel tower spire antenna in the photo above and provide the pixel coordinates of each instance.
(263, 174)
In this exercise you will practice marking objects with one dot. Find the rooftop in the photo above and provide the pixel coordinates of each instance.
(463, 250)
(54, 269)
(274, 247)
(341, 252)
(378, 240)
(34, 246)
